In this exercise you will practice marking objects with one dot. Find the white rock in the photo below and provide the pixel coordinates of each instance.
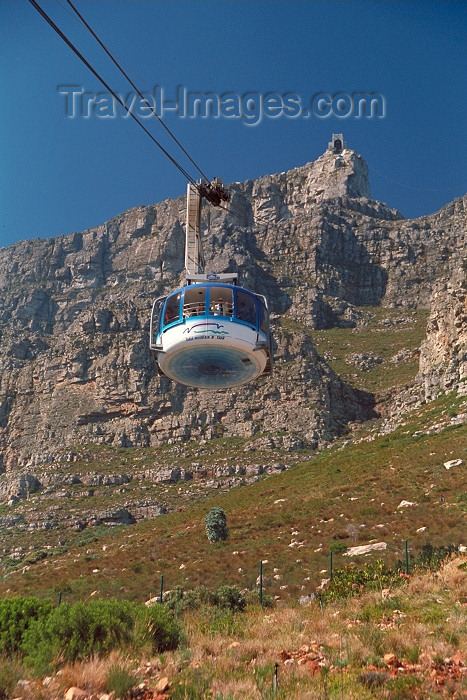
(421, 529)
(152, 601)
(453, 463)
(364, 549)
(404, 504)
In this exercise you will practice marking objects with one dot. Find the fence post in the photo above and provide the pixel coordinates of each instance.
(406, 556)
(330, 565)
(274, 682)
(162, 589)
(320, 604)
(59, 598)
(261, 583)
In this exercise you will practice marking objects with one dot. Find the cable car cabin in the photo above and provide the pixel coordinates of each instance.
(211, 335)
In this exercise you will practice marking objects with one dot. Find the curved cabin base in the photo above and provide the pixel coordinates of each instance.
(212, 354)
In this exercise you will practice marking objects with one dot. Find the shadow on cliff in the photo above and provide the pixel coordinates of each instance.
(345, 267)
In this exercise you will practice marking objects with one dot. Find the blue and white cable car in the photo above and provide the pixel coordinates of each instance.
(211, 333)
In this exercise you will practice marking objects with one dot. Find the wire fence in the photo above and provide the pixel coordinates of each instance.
(426, 556)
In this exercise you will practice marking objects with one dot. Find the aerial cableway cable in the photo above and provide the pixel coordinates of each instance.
(70, 44)
(112, 92)
(123, 72)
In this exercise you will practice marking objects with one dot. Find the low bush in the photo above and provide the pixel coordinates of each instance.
(16, 616)
(351, 580)
(75, 632)
(191, 685)
(226, 598)
(180, 600)
(220, 622)
(230, 598)
(160, 629)
(47, 636)
(429, 558)
(216, 525)
(338, 547)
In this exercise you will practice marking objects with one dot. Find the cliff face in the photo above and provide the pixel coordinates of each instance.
(74, 312)
(443, 358)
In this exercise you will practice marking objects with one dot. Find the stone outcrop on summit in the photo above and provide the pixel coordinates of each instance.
(75, 365)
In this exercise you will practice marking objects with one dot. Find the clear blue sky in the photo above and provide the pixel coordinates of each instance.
(62, 174)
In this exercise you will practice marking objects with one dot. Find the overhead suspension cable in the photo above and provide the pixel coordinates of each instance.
(112, 92)
(123, 72)
(69, 43)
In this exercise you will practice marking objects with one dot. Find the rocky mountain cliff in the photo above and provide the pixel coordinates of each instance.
(75, 365)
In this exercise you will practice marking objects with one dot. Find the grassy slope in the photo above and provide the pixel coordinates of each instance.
(345, 494)
(348, 494)
(380, 332)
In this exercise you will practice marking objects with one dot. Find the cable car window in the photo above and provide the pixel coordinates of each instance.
(194, 302)
(246, 307)
(156, 327)
(172, 309)
(220, 301)
(262, 317)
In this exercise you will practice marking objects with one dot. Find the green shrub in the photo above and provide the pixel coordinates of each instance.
(16, 615)
(226, 597)
(230, 598)
(338, 547)
(403, 687)
(220, 622)
(216, 525)
(252, 598)
(351, 581)
(36, 556)
(193, 685)
(429, 558)
(180, 600)
(75, 632)
(160, 629)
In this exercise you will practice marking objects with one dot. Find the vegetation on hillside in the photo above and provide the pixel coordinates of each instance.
(390, 637)
(373, 631)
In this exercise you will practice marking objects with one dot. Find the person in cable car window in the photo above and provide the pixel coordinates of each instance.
(219, 308)
(169, 316)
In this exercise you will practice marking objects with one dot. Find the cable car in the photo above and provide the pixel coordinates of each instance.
(211, 333)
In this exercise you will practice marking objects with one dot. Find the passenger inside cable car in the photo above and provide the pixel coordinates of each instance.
(229, 302)
(212, 335)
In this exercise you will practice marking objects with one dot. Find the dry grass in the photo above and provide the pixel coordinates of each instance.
(240, 665)
(321, 653)
(91, 675)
